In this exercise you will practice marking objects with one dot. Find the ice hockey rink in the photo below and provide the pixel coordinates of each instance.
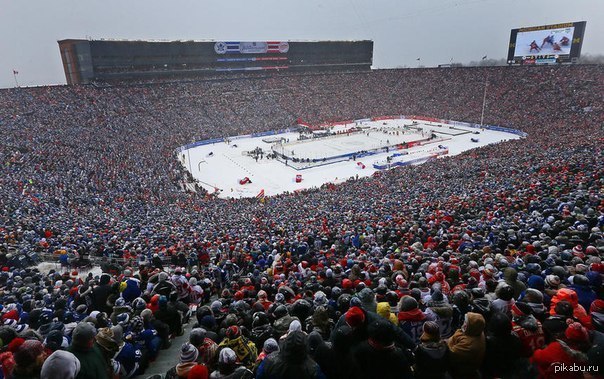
(219, 167)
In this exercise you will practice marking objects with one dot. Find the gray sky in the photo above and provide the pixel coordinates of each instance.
(402, 30)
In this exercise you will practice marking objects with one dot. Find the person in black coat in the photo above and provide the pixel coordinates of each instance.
(432, 354)
(101, 293)
(503, 348)
(291, 362)
(378, 356)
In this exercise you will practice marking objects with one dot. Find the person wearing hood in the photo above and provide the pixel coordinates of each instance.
(567, 294)
(467, 347)
(479, 303)
(29, 357)
(292, 361)
(411, 318)
(367, 298)
(585, 293)
(596, 312)
(378, 356)
(383, 310)
(60, 365)
(569, 350)
(441, 311)
(527, 328)
(283, 320)
(206, 346)
(555, 325)
(320, 322)
(534, 298)
(432, 354)
(504, 301)
(503, 348)
(323, 354)
(510, 277)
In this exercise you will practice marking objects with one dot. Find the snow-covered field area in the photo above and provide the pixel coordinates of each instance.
(220, 166)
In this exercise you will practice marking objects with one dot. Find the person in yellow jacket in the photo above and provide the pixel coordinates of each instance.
(383, 309)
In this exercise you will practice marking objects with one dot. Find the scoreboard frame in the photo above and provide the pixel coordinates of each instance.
(546, 56)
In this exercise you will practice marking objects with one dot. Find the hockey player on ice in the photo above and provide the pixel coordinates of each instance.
(564, 41)
(557, 47)
(534, 46)
(549, 39)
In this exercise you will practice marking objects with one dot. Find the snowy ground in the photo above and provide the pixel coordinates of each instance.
(221, 165)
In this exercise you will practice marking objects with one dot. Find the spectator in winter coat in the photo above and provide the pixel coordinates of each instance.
(585, 294)
(206, 346)
(440, 311)
(188, 360)
(244, 348)
(270, 346)
(432, 354)
(383, 309)
(555, 325)
(229, 367)
(92, 362)
(503, 348)
(378, 357)
(570, 295)
(467, 347)
(411, 318)
(569, 350)
(60, 365)
(527, 328)
(292, 361)
(479, 303)
(510, 276)
(534, 298)
(504, 301)
(596, 311)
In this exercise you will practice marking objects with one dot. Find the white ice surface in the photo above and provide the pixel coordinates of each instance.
(227, 165)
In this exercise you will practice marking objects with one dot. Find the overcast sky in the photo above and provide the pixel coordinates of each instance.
(402, 30)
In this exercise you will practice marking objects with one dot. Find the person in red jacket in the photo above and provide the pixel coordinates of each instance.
(561, 356)
(527, 328)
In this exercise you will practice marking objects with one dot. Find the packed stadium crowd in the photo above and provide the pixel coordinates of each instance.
(487, 264)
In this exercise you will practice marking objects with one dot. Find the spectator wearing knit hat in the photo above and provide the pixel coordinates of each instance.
(83, 346)
(229, 367)
(432, 353)
(527, 328)
(60, 365)
(569, 350)
(187, 360)
(29, 357)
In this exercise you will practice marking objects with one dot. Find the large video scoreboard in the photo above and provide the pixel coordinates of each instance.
(85, 61)
(546, 44)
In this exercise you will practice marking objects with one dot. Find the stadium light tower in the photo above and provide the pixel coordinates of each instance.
(484, 97)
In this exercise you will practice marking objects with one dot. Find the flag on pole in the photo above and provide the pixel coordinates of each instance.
(485, 57)
(15, 72)
(418, 59)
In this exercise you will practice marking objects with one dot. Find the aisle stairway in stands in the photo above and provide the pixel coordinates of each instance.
(168, 358)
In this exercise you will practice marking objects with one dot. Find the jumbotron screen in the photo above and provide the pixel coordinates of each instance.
(546, 44)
